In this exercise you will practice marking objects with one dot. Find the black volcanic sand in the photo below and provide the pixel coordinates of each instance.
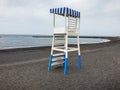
(26, 69)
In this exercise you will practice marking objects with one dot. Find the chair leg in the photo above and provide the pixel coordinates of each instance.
(65, 66)
(64, 61)
(79, 62)
(49, 64)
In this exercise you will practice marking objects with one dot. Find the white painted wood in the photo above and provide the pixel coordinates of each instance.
(58, 54)
(56, 49)
(59, 43)
(57, 63)
(59, 30)
(57, 59)
(60, 39)
(60, 47)
(71, 50)
(78, 40)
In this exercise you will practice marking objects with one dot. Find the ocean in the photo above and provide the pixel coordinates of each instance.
(25, 41)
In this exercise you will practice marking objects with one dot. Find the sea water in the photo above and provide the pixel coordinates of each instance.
(25, 41)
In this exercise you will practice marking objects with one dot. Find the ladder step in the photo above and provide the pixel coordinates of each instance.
(59, 43)
(60, 34)
(57, 59)
(57, 63)
(59, 54)
(59, 38)
(59, 46)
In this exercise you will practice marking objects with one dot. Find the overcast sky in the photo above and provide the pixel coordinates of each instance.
(98, 17)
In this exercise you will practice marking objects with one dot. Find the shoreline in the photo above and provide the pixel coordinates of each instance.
(112, 39)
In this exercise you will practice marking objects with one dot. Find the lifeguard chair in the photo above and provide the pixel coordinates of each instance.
(61, 35)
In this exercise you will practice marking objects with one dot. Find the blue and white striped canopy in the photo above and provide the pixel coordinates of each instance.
(65, 10)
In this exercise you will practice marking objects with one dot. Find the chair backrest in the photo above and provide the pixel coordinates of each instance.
(72, 24)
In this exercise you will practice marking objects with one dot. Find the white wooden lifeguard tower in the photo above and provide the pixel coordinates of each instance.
(61, 35)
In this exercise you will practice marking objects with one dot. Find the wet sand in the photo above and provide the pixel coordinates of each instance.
(26, 69)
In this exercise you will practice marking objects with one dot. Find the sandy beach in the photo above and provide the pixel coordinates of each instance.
(26, 69)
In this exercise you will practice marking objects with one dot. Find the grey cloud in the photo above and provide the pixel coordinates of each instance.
(32, 16)
(28, 3)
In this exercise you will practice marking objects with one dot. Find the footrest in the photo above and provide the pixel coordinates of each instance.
(59, 54)
(57, 63)
(59, 38)
(57, 59)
